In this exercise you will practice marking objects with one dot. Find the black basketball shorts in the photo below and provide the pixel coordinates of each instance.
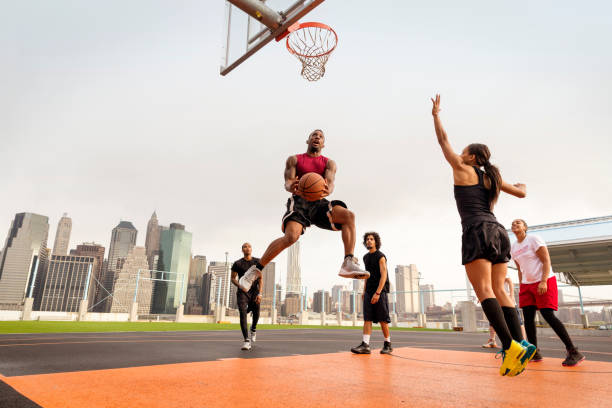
(311, 212)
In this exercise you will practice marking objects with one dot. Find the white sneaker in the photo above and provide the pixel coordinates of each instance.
(246, 345)
(253, 336)
(250, 276)
(350, 269)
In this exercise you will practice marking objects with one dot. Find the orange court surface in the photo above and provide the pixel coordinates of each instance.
(288, 368)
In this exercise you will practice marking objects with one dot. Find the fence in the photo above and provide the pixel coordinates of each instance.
(162, 295)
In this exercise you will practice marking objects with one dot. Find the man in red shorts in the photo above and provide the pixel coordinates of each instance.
(539, 289)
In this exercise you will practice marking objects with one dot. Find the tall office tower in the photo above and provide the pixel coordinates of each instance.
(207, 297)
(152, 239)
(336, 296)
(68, 281)
(221, 271)
(321, 301)
(292, 304)
(62, 236)
(267, 291)
(197, 269)
(233, 296)
(123, 239)
(279, 292)
(96, 251)
(359, 285)
(174, 257)
(24, 259)
(407, 282)
(133, 282)
(427, 294)
(294, 273)
(192, 301)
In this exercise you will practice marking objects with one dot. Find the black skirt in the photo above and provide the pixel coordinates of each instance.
(485, 240)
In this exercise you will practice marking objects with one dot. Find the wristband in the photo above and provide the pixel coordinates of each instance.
(377, 293)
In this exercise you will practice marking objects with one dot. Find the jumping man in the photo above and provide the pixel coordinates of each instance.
(330, 215)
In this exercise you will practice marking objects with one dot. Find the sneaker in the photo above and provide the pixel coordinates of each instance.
(246, 345)
(250, 276)
(537, 357)
(253, 336)
(574, 357)
(530, 351)
(511, 360)
(363, 348)
(350, 269)
(387, 349)
(490, 344)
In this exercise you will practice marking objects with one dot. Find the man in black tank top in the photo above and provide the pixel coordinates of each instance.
(375, 302)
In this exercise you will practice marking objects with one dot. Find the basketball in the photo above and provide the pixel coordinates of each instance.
(311, 186)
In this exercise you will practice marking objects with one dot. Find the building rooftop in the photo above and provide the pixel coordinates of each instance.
(580, 250)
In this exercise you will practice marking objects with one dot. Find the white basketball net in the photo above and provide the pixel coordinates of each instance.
(312, 45)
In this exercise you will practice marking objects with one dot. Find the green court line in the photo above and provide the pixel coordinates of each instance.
(83, 327)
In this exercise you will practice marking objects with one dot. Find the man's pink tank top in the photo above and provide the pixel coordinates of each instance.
(308, 164)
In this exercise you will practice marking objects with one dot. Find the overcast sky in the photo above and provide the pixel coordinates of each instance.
(110, 110)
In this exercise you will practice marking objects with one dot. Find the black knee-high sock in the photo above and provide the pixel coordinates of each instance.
(558, 327)
(513, 322)
(495, 315)
(529, 313)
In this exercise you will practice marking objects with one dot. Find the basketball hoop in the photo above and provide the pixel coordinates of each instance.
(312, 44)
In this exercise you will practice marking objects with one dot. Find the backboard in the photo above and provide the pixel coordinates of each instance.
(251, 24)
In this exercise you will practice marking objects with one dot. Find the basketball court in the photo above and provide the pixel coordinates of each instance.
(288, 368)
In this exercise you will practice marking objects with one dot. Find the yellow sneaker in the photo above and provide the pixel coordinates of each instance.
(511, 363)
(530, 351)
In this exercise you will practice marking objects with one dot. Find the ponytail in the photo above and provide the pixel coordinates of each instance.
(496, 181)
(482, 154)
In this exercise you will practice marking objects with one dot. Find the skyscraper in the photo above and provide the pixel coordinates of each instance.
(292, 305)
(321, 301)
(279, 292)
(97, 251)
(152, 239)
(207, 299)
(197, 269)
(134, 277)
(221, 271)
(174, 257)
(62, 236)
(427, 295)
(294, 274)
(24, 256)
(267, 291)
(68, 281)
(123, 239)
(336, 296)
(407, 283)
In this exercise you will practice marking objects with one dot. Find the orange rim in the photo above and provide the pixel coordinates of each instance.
(299, 26)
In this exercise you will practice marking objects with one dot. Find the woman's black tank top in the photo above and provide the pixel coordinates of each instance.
(473, 202)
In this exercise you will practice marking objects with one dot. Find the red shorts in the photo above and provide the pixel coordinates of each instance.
(528, 295)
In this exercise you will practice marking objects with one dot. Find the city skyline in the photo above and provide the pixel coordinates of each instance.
(589, 291)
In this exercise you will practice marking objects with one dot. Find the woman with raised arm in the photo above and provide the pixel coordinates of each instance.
(485, 245)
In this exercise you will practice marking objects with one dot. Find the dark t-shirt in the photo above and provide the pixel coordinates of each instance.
(241, 266)
(372, 265)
